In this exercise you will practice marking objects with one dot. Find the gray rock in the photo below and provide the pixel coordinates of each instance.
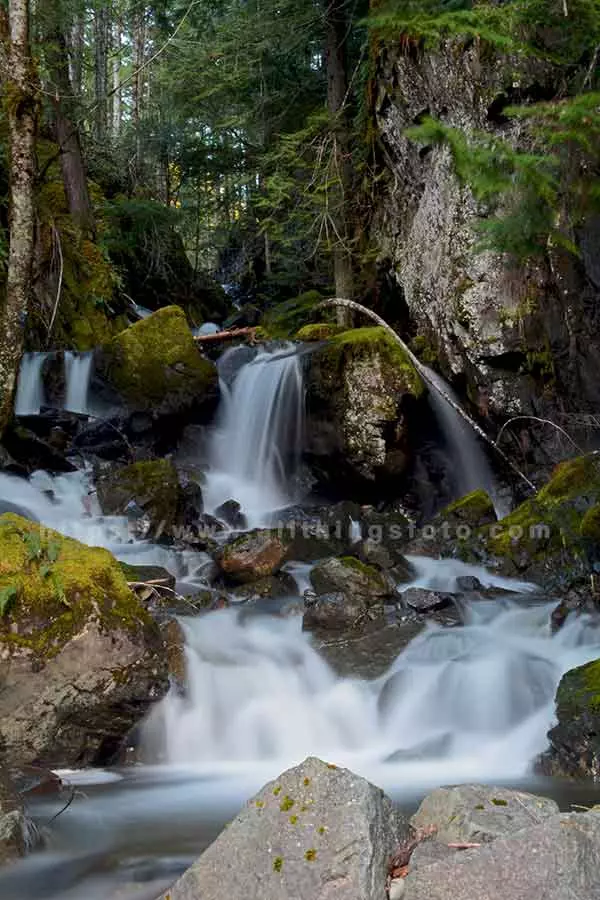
(231, 512)
(315, 833)
(557, 859)
(335, 611)
(475, 812)
(17, 831)
(425, 601)
(351, 577)
(468, 583)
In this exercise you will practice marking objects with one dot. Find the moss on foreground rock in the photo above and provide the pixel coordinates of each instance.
(156, 366)
(80, 657)
(575, 740)
(153, 485)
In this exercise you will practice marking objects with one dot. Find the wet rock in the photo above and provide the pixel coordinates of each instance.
(269, 587)
(157, 368)
(430, 749)
(356, 434)
(333, 612)
(231, 512)
(148, 575)
(468, 583)
(317, 832)
(550, 858)
(252, 556)
(148, 490)
(575, 740)
(34, 781)
(17, 832)
(480, 813)
(351, 577)
(424, 601)
(105, 439)
(80, 658)
(32, 452)
(454, 527)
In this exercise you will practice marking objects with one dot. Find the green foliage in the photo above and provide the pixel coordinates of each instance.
(8, 595)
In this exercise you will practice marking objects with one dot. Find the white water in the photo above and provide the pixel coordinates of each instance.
(78, 372)
(458, 704)
(256, 446)
(470, 467)
(30, 387)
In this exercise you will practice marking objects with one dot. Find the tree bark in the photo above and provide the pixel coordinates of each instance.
(22, 124)
(67, 134)
(76, 56)
(101, 43)
(137, 87)
(337, 30)
(115, 96)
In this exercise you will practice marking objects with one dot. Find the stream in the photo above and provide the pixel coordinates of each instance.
(454, 704)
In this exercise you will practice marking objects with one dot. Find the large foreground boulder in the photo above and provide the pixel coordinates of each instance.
(156, 367)
(557, 858)
(575, 739)
(357, 433)
(315, 833)
(80, 658)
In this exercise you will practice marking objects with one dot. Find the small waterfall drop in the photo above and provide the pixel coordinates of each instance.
(30, 386)
(456, 705)
(256, 447)
(470, 467)
(78, 372)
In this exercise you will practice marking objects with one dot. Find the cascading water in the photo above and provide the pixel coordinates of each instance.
(470, 467)
(78, 373)
(457, 705)
(30, 386)
(255, 449)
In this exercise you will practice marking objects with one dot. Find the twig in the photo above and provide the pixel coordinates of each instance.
(358, 307)
(464, 845)
(56, 236)
(542, 422)
(64, 809)
(587, 81)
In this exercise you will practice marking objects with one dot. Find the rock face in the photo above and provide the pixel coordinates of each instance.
(575, 740)
(357, 420)
(252, 556)
(80, 658)
(557, 859)
(315, 833)
(454, 525)
(524, 338)
(157, 369)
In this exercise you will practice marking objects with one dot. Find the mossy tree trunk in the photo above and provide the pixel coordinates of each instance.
(21, 106)
(337, 27)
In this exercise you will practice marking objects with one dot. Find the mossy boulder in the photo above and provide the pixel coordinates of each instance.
(454, 527)
(318, 331)
(157, 368)
(575, 740)
(549, 535)
(361, 388)
(80, 658)
(252, 556)
(348, 594)
(150, 489)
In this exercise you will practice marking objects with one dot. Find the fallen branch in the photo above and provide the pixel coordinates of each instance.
(541, 422)
(228, 335)
(464, 845)
(358, 307)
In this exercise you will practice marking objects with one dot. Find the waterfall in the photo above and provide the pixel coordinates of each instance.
(78, 372)
(30, 387)
(469, 465)
(456, 705)
(256, 447)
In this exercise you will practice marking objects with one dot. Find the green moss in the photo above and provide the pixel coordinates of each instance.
(152, 484)
(310, 855)
(156, 360)
(277, 790)
(480, 806)
(278, 864)
(285, 320)
(475, 508)
(58, 588)
(319, 331)
(359, 342)
(321, 829)
(498, 802)
(293, 820)
(424, 350)
(579, 692)
(306, 782)
(286, 804)
(590, 524)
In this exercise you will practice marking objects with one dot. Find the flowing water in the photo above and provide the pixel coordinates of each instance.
(256, 447)
(30, 386)
(78, 373)
(468, 463)
(457, 704)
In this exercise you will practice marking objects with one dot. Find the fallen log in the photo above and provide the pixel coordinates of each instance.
(230, 334)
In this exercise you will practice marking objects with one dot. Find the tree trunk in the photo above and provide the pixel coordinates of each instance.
(337, 30)
(67, 134)
(101, 42)
(115, 97)
(76, 56)
(22, 121)
(137, 86)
